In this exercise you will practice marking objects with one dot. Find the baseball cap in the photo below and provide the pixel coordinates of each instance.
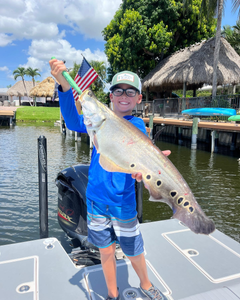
(127, 77)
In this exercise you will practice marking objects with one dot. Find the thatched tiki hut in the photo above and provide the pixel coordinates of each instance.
(44, 88)
(18, 89)
(192, 67)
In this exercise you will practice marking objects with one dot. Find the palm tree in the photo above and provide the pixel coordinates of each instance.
(232, 35)
(20, 72)
(210, 6)
(100, 68)
(217, 46)
(32, 73)
(73, 71)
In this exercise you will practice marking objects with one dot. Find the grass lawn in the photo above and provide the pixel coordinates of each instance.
(37, 114)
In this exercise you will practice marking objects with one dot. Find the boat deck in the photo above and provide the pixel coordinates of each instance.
(182, 264)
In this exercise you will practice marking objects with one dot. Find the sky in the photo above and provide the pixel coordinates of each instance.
(32, 31)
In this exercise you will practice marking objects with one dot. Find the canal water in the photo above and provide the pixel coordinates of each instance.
(213, 178)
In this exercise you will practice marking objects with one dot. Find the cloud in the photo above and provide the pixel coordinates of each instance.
(20, 28)
(4, 69)
(32, 19)
(62, 50)
(48, 25)
(90, 18)
(41, 51)
(7, 72)
(5, 39)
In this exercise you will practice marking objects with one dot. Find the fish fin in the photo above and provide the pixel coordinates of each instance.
(160, 199)
(154, 200)
(197, 221)
(110, 166)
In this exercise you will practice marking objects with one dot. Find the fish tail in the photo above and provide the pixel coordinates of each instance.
(198, 222)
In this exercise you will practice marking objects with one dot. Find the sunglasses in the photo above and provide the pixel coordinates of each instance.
(129, 92)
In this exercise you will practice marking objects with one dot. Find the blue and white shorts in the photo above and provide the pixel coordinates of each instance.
(114, 224)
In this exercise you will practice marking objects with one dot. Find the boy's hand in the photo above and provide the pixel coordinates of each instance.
(138, 176)
(57, 67)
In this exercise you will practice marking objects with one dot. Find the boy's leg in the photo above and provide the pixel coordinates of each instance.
(109, 269)
(149, 290)
(101, 234)
(140, 267)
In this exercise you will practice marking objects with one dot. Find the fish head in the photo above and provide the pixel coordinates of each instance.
(93, 112)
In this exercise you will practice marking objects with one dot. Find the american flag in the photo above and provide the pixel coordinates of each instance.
(85, 77)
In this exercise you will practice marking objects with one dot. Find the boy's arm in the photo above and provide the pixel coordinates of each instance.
(73, 120)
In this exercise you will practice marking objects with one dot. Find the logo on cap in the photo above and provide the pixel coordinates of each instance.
(127, 77)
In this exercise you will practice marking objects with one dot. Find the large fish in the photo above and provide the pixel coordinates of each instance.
(124, 148)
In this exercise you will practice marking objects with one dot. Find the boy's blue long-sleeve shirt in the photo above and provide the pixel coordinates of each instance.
(115, 188)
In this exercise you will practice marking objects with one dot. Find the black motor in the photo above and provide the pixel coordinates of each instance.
(72, 208)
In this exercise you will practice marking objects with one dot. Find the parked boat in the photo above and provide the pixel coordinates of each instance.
(210, 111)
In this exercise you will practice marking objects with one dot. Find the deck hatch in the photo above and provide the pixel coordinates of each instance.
(127, 281)
(214, 259)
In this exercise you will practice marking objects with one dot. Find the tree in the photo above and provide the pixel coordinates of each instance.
(32, 73)
(232, 35)
(217, 45)
(21, 72)
(73, 71)
(143, 32)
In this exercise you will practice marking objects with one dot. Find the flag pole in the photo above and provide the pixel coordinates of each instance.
(98, 75)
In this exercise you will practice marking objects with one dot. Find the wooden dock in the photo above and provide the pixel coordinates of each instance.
(7, 117)
(216, 126)
(231, 128)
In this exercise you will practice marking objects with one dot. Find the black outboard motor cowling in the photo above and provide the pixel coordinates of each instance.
(72, 208)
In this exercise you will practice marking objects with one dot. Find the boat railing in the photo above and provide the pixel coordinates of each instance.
(172, 107)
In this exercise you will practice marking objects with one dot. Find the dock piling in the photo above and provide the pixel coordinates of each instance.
(180, 139)
(234, 141)
(77, 136)
(214, 143)
(43, 191)
(151, 126)
(194, 133)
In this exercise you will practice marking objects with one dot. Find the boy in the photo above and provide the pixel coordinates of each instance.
(111, 202)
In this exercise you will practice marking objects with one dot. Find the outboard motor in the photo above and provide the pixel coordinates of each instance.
(72, 211)
(72, 208)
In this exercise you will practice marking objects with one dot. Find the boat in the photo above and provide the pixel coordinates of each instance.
(182, 264)
(210, 111)
(234, 118)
